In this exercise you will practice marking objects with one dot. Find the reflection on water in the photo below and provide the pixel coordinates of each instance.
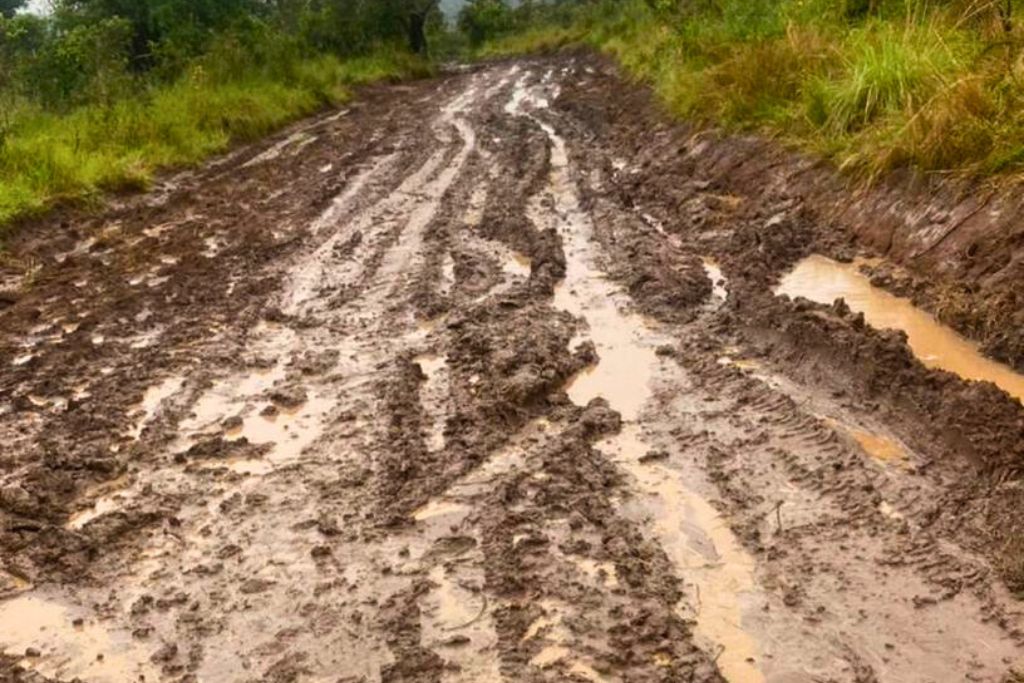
(823, 280)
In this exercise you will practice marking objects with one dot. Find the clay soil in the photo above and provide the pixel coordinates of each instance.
(438, 388)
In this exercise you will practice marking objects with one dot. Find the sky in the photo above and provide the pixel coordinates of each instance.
(38, 6)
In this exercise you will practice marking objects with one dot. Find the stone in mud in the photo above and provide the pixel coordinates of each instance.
(232, 423)
(16, 499)
(598, 418)
(165, 654)
(289, 398)
(218, 447)
(654, 455)
(253, 586)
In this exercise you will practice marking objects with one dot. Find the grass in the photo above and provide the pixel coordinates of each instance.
(939, 88)
(46, 158)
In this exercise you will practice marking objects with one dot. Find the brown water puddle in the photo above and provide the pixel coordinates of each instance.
(823, 280)
(879, 447)
(289, 430)
(151, 401)
(70, 645)
(518, 265)
(695, 538)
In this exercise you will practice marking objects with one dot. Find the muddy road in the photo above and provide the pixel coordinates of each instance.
(493, 377)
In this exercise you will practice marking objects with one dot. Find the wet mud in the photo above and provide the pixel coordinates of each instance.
(492, 377)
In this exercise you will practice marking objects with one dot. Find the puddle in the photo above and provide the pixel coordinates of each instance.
(697, 540)
(152, 399)
(290, 431)
(823, 280)
(87, 651)
(879, 447)
(518, 265)
(710, 558)
(719, 285)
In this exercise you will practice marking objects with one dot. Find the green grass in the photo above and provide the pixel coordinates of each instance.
(933, 87)
(46, 158)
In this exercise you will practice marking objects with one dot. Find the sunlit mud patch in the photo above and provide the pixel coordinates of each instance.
(64, 644)
(151, 401)
(432, 396)
(823, 280)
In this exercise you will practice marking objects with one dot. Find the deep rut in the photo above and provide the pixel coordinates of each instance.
(425, 394)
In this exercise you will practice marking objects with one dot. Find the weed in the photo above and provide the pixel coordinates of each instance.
(50, 157)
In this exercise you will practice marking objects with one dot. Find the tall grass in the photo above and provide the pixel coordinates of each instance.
(937, 87)
(46, 157)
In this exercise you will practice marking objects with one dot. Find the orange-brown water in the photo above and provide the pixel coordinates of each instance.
(823, 280)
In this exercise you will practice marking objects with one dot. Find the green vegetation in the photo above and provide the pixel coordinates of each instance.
(102, 93)
(875, 85)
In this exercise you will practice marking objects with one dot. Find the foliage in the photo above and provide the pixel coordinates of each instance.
(102, 93)
(876, 85)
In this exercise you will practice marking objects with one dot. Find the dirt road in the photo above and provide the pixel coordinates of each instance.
(465, 384)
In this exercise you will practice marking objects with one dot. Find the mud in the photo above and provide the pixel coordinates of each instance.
(486, 379)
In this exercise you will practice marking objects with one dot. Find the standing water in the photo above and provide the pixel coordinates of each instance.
(823, 280)
(695, 538)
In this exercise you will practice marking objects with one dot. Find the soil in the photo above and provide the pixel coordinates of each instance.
(438, 388)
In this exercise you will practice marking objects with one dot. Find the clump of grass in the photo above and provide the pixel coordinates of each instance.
(933, 87)
(536, 40)
(47, 157)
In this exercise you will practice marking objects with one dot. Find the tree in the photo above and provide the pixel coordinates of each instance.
(482, 20)
(9, 8)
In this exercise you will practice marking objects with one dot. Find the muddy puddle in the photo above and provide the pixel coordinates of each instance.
(287, 430)
(716, 570)
(151, 401)
(823, 280)
(63, 641)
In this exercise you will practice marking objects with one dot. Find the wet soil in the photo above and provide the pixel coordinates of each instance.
(486, 378)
